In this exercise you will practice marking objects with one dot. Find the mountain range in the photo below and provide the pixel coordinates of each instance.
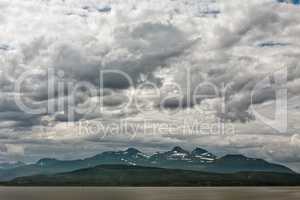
(11, 165)
(197, 160)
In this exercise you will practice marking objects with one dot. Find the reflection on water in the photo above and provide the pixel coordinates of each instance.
(118, 193)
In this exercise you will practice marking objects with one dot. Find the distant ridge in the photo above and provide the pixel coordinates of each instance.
(126, 175)
(11, 165)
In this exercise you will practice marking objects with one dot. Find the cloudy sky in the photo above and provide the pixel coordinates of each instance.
(82, 76)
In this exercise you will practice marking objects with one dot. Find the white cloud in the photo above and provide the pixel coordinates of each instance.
(150, 41)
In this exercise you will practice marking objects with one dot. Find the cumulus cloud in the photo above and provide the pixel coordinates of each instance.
(190, 54)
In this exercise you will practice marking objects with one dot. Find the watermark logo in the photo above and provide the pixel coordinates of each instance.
(72, 101)
(277, 84)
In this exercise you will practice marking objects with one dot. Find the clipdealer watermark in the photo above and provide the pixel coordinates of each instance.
(63, 97)
(148, 128)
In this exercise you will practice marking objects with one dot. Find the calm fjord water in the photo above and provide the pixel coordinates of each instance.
(122, 193)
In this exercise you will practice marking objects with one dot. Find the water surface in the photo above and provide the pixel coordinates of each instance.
(131, 193)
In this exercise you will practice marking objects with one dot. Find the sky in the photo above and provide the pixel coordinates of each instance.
(79, 77)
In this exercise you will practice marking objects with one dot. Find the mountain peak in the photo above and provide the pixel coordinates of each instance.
(198, 151)
(179, 149)
(132, 151)
(46, 161)
(203, 155)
